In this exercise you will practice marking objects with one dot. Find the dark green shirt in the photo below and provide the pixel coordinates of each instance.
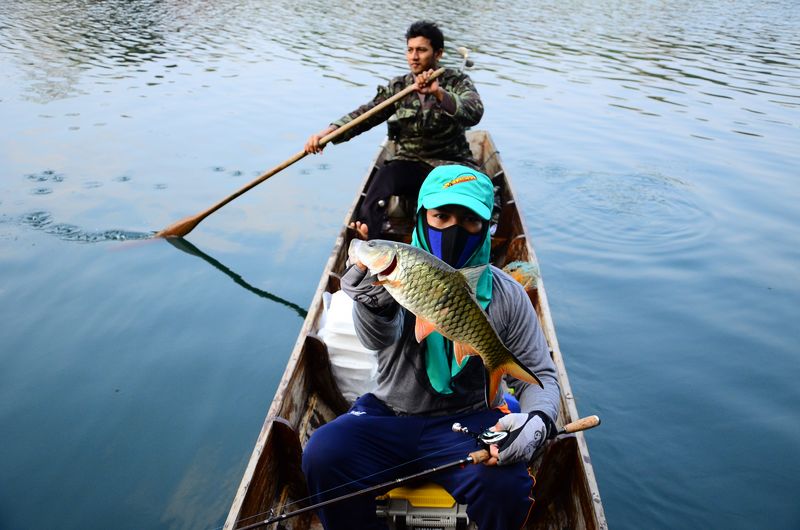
(422, 128)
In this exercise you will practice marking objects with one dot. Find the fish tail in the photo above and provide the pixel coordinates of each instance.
(493, 377)
(516, 369)
(512, 367)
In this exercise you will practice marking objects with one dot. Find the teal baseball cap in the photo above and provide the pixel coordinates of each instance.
(455, 184)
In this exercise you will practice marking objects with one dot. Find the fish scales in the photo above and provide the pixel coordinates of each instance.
(463, 319)
(440, 296)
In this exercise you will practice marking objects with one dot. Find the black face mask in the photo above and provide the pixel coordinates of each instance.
(453, 245)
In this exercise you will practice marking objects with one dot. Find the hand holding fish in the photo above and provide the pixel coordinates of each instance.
(365, 291)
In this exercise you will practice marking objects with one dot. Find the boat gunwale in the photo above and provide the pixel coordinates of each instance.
(546, 317)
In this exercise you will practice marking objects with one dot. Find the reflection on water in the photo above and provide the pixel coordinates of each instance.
(100, 35)
(648, 58)
(184, 245)
(662, 53)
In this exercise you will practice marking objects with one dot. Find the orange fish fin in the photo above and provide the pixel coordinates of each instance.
(423, 328)
(492, 385)
(462, 350)
(516, 369)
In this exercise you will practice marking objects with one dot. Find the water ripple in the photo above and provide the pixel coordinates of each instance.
(47, 175)
(41, 220)
(627, 213)
(36, 220)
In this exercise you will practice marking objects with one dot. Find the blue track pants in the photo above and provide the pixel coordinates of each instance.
(370, 445)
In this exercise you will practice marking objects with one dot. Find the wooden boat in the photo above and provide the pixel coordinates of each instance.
(566, 491)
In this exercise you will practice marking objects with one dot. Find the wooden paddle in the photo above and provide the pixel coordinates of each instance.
(186, 225)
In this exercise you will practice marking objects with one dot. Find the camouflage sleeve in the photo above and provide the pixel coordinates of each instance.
(383, 93)
(467, 101)
(523, 335)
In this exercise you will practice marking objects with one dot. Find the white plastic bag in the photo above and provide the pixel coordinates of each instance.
(353, 366)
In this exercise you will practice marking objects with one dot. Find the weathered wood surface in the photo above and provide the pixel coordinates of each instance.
(566, 490)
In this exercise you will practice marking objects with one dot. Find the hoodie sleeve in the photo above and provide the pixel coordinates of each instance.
(376, 315)
(523, 335)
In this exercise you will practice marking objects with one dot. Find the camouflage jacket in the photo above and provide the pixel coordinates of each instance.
(421, 128)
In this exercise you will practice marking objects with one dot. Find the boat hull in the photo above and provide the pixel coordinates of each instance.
(307, 397)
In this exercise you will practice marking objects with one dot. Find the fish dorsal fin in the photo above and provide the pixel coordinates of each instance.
(461, 350)
(423, 328)
(472, 275)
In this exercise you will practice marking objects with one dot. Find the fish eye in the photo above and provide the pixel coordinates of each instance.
(371, 244)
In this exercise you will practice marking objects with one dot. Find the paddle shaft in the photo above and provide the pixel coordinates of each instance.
(476, 457)
(186, 225)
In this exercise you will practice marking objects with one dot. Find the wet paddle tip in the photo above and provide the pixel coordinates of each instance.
(179, 229)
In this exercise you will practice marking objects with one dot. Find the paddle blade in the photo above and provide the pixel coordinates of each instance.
(181, 228)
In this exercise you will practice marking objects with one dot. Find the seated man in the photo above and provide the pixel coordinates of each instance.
(428, 126)
(404, 425)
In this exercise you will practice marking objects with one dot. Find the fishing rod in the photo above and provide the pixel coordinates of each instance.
(485, 439)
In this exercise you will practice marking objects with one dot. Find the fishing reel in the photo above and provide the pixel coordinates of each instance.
(485, 438)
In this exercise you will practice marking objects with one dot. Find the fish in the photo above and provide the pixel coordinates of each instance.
(442, 299)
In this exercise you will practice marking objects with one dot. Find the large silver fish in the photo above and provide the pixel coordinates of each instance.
(442, 299)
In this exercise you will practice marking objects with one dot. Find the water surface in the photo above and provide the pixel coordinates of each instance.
(654, 147)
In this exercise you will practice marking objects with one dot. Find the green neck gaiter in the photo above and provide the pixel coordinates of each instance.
(440, 362)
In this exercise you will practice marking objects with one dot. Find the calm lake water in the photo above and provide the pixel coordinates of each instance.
(655, 147)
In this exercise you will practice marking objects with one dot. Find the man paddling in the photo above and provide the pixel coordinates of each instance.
(404, 425)
(428, 126)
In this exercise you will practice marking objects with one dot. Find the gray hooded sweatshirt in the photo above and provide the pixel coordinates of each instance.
(402, 381)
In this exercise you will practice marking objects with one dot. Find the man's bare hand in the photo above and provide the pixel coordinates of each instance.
(313, 146)
(425, 85)
(362, 230)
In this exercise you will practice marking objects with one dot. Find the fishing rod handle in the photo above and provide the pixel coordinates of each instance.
(580, 425)
(476, 457)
